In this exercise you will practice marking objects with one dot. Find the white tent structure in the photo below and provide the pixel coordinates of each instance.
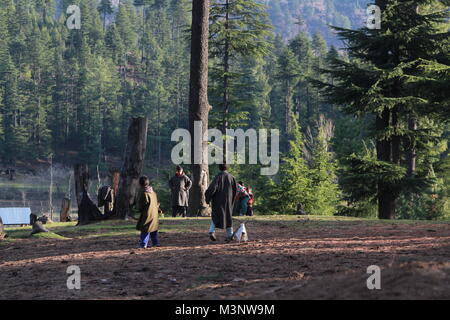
(15, 216)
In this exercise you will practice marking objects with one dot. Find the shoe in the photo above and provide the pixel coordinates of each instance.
(228, 239)
(212, 236)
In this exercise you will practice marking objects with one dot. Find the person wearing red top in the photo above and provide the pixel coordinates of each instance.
(243, 197)
(250, 203)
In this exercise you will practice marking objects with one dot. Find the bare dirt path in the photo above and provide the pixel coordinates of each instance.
(295, 259)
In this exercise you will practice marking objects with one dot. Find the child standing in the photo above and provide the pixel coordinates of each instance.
(250, 203)
(147, 204)
(243, 197)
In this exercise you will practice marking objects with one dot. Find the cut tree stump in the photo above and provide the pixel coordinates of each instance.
(115, 180)
(38, 227)
(65, 210)
(88, 211)
(133, 166)
(81, 174)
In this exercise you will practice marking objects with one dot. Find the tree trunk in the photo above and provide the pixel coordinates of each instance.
(87, 210)
(198, 103)
(411, 155)
(115, 180)
(386, 200)
(287, 108)
(65, 210)
(226, 70)
(395, 138)
(386, 203)
(133, 165)
(81, 175)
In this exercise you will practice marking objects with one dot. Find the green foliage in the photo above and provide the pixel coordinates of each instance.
(395, 77)
(239, 30)
(295, 185)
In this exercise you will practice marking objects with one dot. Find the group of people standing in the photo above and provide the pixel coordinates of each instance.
(223, 193)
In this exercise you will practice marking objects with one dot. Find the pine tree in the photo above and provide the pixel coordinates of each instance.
(105, 9)
(294, 187)
(288, 75)
(323, 170)
(383, 79)
(238, 30)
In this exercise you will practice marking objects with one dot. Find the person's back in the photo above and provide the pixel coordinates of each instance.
(225, 182)
(222, 192)
(148, 222)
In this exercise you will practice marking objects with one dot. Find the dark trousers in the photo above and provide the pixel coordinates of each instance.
(179, 209)
(146, 236)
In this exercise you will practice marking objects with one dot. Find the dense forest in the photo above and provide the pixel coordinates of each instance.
(357, 125)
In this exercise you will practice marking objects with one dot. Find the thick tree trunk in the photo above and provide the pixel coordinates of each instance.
(198, 103)
(65, 210)
(81, 175)
(115, 180)
(133, 165)
(226, 70)
(386, 200)
(386, 203)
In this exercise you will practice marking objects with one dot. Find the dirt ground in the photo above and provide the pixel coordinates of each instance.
(285, 259)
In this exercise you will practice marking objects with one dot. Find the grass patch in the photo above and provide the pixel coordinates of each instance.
(118, 228)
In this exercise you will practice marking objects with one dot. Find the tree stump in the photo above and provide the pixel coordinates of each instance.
(88, 211)
(81, 174)
(115, 180)
(133, 166)
(65, 210)
(38, 227)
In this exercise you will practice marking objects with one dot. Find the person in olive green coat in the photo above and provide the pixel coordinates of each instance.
(147, 204)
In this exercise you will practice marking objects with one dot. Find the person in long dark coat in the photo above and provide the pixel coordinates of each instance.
(148, 222)
(179, 185)
(222, 193)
